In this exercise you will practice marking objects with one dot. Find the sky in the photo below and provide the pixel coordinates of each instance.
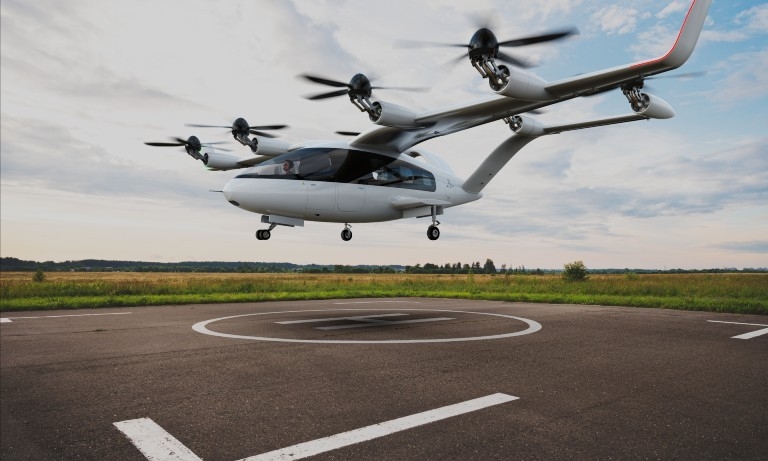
(84, 83)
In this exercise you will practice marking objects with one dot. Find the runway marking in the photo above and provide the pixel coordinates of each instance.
(751, 334)
(158, 445)
(9, 319)
(377, 302)
(202, 327)
(306, 449)
(153, 442)
(364, 321)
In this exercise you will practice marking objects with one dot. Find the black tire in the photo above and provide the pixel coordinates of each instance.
(258, 235)
(433, 233)
(346, 235)
(266, 234)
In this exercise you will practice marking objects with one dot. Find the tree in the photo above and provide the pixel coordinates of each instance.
(489, 267)
(575, 272)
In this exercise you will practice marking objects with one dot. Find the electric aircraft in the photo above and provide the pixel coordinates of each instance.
(381, 174)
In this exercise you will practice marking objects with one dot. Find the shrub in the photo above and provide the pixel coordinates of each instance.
(39, 276)
(575, 272)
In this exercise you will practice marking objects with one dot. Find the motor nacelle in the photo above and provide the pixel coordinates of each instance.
(388, 114)
(269, 147)
(521, 85)
(525, 126)
(649, 105)
(219, 161)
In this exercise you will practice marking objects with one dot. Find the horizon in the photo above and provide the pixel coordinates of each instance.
(499, 267)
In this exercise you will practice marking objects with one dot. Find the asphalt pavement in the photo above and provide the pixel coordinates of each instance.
(389, 379)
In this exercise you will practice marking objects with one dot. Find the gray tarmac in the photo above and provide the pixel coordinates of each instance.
(589, 382)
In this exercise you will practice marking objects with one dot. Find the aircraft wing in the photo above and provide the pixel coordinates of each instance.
(440, 122)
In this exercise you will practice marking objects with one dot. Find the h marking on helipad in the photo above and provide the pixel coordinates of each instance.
(364, 321)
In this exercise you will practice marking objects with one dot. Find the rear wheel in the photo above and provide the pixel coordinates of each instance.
(346, 235)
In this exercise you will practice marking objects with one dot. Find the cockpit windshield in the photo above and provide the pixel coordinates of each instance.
(344, 166)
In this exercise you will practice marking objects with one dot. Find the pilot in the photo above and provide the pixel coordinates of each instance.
(287, 167)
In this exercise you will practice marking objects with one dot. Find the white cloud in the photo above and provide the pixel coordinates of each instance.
(674, 7)
(746, 78)
(616, 20)
(755, 18)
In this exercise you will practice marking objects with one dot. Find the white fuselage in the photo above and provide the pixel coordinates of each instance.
(331, 201)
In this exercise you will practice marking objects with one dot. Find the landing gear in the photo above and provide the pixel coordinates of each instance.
(432, 231)
(346, 234)
(265, 234)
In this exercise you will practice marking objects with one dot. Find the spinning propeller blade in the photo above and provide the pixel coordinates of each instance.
(484, 42)
(190, 143)
(240, 126)
(360, 85)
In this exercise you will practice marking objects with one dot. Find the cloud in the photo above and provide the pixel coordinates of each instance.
(62, 162)
(755, 246)
(746, 78)
(755, 19)
(616, 20)
(674, 7)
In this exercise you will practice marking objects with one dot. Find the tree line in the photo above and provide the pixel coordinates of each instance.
(489, 267)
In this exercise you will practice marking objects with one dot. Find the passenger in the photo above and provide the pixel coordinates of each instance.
(287, 167)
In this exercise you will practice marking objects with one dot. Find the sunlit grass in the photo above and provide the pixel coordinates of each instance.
(744, 293)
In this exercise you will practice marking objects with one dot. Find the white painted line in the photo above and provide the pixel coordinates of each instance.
(70, 315)
(334, 319)
(306, 449)
(4, 320)
(376, 323)
(377, 302)
(202, 327)
(154, 442)
(751, 334)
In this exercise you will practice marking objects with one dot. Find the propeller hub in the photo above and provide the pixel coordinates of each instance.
(360, 86)
(483, 43)
(240, 127)
(193, 145)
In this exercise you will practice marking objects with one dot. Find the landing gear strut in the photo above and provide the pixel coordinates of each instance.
(265, 234)
(433, 233)
(346, 234)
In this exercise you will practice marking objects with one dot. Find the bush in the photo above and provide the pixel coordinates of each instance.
(39, 276)
(575, 272)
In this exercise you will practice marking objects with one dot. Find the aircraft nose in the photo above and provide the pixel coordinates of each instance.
(229, 193)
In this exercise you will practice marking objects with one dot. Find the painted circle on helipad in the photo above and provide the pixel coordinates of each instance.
(533, 327)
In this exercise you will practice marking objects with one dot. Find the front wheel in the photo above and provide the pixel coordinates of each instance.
(346, 235)
(433, 233)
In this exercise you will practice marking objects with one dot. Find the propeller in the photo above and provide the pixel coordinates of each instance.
(485, 44)
(348, 133)
(192, 145)
(359, 86)
(241, 127)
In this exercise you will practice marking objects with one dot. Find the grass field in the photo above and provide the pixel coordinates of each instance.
(739, 293)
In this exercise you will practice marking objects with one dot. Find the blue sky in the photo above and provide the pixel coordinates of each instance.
(85, 83)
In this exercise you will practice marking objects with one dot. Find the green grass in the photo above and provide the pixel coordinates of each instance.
(739, 293)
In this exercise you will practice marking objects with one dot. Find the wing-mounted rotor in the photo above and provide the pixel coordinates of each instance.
(241, 131)
(191, 145)
(483, 50)
(359, 90)
(203, 152)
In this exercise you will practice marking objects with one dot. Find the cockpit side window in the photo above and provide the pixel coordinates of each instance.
(344, 166)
